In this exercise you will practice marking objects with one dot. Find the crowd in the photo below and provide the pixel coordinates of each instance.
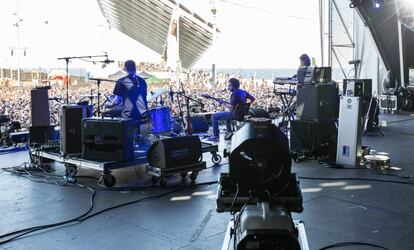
(148, 66)
(15, 101)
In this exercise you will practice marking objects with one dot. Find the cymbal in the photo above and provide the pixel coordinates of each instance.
(156, 93)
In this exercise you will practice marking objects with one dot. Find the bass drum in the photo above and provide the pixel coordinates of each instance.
(161, 121)
(258, 113)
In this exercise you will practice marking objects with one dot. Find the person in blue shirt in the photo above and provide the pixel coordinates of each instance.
(131, 91)
(238, 99)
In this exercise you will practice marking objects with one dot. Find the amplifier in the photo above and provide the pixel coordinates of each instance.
(108, 139)
(358, 87)
(41, 134)
(200, 124)
(19, 137)
(317, 138)
(175, 152)
(71, 129)
(318, 102)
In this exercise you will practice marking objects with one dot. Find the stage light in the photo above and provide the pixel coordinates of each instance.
(378, 3)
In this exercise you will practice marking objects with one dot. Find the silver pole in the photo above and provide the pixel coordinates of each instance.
(321, 30)
(330, 34)
(213, 59)
(18, 44)
(401, 51)
(178, 11)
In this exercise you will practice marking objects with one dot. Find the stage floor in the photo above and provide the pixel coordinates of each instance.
(185, 218)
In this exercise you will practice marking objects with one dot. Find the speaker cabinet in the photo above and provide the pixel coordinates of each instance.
(40, 107)
(175, 152)
(200, 124)
(358, 87)
(317, 138)
(41, 134)
(108, 139)
(71, 129)
(318, 102)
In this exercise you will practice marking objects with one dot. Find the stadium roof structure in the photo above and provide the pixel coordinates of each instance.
(148, 22)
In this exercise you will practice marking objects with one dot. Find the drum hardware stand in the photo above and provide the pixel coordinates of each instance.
(106, 61)
(98, 83)
(288, 106)
(187, 104)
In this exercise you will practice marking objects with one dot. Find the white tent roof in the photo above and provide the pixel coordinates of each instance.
(147, 21)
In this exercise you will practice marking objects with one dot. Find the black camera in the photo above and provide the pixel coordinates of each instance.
(260, 190)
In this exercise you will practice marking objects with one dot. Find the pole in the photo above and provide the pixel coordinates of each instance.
(178, 13)
(213, 63)
(330, 34)
(401, 52)
(18, 44)
(67, 77)
(321, 30)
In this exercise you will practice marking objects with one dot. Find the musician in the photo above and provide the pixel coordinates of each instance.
(304, 68)
(238, 98)
(131, 91)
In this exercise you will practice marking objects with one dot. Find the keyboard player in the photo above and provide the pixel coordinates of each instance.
(302, 76)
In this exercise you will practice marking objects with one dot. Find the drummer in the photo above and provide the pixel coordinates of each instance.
(131, 91)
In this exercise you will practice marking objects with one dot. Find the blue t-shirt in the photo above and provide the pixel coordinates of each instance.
(238, 99)
(133, 90)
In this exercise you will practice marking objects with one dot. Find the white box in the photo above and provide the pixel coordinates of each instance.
(349, 150)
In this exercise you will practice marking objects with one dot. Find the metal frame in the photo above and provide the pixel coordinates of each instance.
(331, 46)
(97, 165)
(299, 225)
(148, 21)
(110, 165)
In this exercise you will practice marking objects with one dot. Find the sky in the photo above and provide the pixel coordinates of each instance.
(254, 33)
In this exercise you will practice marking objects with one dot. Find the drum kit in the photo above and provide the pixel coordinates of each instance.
(160, 117)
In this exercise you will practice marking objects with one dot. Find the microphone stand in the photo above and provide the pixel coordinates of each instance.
(67, 68)
(186, 121)
(98, 82)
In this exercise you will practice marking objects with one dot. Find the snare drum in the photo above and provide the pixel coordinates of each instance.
(161, 120)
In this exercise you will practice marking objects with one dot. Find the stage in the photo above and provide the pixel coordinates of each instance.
(184, 216)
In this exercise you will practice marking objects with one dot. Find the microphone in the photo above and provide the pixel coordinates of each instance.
(223, 90)
(171, 93)
(54, 98)
(107, 61)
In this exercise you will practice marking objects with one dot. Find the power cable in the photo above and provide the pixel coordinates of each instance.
(85, 215)
(25, 231)
(352, 243)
